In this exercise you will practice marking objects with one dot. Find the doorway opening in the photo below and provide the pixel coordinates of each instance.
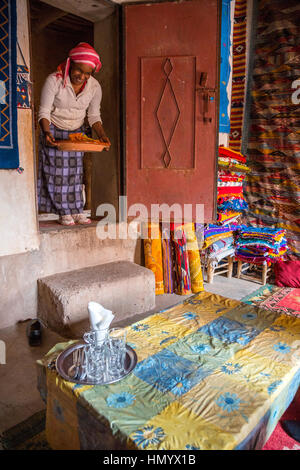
(53, 33)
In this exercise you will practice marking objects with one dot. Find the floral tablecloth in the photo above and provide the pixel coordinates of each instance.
(212, 374)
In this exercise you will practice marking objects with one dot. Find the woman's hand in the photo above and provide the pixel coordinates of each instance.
(49, 139)
(105, 139)
(98, 128)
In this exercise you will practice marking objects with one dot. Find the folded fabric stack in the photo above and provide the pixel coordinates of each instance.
(258, 245)
(221, 249)
(214, 233)
(219, 242)
(231, 175)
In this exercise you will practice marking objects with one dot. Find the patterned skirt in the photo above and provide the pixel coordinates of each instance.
(60, 177)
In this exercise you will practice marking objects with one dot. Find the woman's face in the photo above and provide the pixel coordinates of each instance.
(79, 73)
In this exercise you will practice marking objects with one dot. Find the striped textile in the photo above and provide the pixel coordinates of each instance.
(60, 177)
(9, 148)
(238, 74)
(221, 245)
(224, 121)
(194, 258)
(168, 258)
(273, 186)
(183, 277)
(256, 244)
(230, 198)
(226, 152)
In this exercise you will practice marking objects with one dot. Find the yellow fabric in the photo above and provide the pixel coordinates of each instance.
(62, 396)
(194, 258)
(61, 418)
(214, 238)
(153, 255)
(228, 215)
(233, 166)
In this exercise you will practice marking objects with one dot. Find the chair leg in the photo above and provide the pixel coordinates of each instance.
(230, 266)
(210, 272)
(264, 274)
(239, 268)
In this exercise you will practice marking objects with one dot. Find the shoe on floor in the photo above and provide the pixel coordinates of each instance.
(66, 220)
(81, 219)
(34, 332)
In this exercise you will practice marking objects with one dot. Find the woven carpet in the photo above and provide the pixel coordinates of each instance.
(272, 189)
(238, 74)
(9, 153)
(224, 121)
(279, 299)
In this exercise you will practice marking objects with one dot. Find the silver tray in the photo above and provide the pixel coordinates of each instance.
(65, 360)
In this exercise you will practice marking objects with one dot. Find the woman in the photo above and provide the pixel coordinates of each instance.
(67, 96)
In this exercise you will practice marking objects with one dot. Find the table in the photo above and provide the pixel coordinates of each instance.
(212, 374)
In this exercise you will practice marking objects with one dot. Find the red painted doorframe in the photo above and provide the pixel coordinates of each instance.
(171, 131)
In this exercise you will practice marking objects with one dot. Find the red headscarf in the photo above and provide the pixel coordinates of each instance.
(83, 53)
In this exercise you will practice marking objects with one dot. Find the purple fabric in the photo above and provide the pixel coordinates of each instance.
(60, 177)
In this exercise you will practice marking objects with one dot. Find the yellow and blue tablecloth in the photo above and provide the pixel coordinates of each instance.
(212, 374)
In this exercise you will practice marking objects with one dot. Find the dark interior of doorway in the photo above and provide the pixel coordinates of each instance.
(53, 33)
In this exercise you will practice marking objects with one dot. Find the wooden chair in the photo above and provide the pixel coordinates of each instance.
(263, 272)
(224, 268)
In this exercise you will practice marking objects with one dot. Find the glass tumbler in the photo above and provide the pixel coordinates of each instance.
(96, 353)
(93, 336)
(117, 351)
(96, 361)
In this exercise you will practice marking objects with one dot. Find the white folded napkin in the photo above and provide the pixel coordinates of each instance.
(100, 319)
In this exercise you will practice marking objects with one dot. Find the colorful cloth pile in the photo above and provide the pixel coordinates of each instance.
(172, 253)
(225, 245)
(220, 250)
(231, 175)
(213, 233)
(219, 242)
(258, 245)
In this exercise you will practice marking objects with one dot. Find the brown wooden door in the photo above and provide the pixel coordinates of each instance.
(171, 52)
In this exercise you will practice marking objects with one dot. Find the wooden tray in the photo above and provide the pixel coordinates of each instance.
(69, 146)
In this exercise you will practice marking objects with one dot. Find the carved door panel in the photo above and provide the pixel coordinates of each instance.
(171, 68)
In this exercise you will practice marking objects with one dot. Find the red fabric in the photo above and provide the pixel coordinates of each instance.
(82, 53)
(226, 152)
(230, 190)
(231, 174)
(235, 179)
(287, 273)
(280, 440)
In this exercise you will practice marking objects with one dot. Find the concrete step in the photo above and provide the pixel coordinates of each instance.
(123, 287)
(61, 249)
